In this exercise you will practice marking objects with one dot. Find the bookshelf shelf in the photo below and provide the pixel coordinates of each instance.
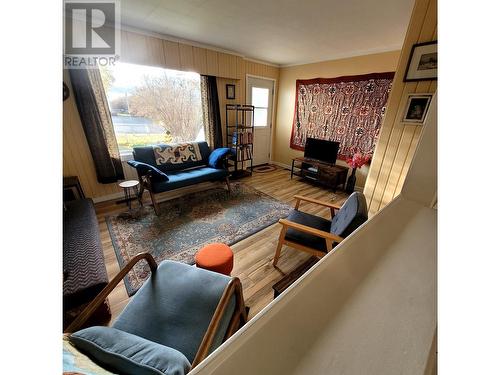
(239, 137)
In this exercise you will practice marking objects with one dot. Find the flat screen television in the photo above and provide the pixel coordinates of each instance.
(322, 150)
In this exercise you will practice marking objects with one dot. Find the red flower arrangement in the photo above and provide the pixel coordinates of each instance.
(358, 160)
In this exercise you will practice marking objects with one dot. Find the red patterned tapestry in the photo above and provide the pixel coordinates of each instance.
(348, 110)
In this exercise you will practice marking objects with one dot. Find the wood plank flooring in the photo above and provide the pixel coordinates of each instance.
(253, 256)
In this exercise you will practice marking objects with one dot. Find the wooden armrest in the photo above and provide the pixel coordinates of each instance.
(233, 288)
(99, 299)
(310, 230)
(316, 201)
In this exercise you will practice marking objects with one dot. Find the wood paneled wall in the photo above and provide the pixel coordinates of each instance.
(397, 142)
(148, 50)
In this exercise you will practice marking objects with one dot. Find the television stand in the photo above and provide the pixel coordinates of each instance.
(327, 174)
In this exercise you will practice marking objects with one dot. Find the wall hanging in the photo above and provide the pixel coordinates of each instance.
(348, 110)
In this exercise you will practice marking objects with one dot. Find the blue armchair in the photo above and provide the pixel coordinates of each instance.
(176, 319)
(166, 167)
(316, 235)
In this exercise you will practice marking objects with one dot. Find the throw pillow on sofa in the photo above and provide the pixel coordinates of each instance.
(216, 156)
(143, 168)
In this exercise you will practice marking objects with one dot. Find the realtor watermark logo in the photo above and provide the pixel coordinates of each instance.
(91, 33)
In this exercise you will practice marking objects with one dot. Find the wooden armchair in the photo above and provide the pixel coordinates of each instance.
(316, 235)
(188, 309)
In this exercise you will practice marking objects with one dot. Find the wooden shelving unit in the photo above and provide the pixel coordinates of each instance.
(239, 137)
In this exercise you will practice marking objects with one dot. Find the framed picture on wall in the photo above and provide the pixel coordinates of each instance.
(230, 91)
(423, 62)
(417, 106)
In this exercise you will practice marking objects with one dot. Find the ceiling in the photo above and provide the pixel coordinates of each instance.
(283, 32)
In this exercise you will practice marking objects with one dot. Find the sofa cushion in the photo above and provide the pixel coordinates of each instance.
(84, 268)
(178, 179)
(174, 157)
(143, 168)
(129, 354)
(175, 306)
(351, 215)
(306, 239)
(216, 157)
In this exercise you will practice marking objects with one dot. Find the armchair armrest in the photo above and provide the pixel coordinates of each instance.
(310, 230)
(331, 206)
(99, 299)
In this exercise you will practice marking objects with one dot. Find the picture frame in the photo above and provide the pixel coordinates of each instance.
(417, 106)
(423, 63)
(230, 91)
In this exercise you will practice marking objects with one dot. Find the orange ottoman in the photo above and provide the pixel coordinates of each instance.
(217, 257)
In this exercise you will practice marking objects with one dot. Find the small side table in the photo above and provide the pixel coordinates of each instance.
(131, 191)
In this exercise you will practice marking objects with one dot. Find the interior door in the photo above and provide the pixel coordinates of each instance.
(260, 93)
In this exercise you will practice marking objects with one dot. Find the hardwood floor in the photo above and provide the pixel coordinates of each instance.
(253, 256)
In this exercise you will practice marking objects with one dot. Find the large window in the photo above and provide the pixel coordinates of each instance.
(153, 105)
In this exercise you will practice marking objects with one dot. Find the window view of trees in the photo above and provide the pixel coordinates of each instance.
(153, 105)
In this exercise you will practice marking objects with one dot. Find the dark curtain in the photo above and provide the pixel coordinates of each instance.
(97, 124)
(211, 111)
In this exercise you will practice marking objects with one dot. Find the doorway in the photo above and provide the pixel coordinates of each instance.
(260, 94)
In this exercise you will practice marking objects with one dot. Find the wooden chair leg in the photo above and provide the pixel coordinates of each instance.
(228, 184)
(280, 245)
(155, 204)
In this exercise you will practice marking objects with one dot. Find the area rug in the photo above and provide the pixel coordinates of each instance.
(264, 168)
(188, 223)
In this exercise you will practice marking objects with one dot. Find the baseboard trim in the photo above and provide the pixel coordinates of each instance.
(109, 197)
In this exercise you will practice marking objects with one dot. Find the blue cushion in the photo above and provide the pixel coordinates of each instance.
(216, 156)
(125, 353)
(351, 215)
(143, 168)
(189, 177)
(307, 239)
(145, 154)
(175, 306)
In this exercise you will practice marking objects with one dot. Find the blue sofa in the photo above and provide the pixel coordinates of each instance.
(166, 167)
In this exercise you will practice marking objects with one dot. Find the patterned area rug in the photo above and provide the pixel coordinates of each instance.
(188, 223)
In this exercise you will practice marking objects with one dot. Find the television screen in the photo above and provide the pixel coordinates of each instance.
(322, 150)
